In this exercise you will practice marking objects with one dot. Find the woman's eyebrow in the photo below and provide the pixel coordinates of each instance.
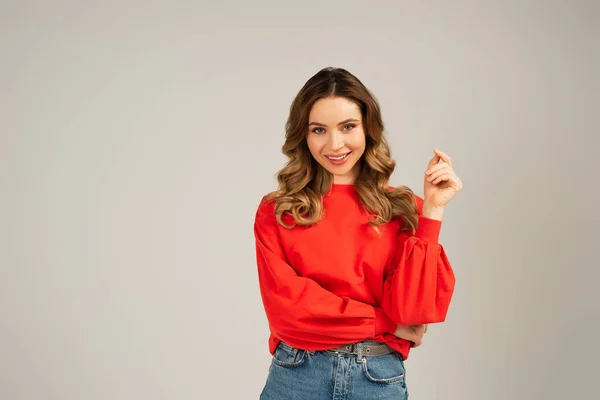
(343, 122)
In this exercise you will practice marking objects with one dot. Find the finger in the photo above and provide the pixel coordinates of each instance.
(441, 178)
(437, 174)
(440, 172)
(443, 156)
(426, 328)
(420, 330)
(416, 330)
(437, 167)
(433, 161)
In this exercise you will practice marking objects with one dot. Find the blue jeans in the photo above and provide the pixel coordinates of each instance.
(297, 374)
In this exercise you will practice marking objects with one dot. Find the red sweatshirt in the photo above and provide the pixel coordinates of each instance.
(339, 282)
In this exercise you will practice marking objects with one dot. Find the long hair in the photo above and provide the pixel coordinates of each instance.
(303, 181)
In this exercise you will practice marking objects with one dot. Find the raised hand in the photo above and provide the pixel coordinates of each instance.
(441, 182)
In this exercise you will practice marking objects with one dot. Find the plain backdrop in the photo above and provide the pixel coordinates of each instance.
(137, 138)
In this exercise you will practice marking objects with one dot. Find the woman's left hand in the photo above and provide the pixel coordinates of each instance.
(441, 182)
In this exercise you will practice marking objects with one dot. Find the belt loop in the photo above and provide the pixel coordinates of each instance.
(359, 354)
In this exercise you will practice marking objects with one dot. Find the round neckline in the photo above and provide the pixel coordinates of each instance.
(343, 187)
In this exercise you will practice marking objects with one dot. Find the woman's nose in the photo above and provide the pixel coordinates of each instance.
(336, 141)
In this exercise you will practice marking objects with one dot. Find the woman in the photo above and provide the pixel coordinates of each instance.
(350, 269)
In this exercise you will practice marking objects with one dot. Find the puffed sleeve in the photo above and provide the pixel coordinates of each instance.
(419, 283)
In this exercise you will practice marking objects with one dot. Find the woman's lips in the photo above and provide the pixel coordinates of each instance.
(339, 160)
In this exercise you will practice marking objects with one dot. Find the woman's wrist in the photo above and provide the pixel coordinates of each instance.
(432, 212)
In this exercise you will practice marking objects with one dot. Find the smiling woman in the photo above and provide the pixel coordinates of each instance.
(345, 300)
(337, 146)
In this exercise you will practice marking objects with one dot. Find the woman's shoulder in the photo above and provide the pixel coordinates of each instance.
(266, 207)
(266, 214)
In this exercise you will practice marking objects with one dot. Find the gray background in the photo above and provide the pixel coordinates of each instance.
(137, 138)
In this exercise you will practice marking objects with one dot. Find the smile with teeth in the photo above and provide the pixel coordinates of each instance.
(338, 158)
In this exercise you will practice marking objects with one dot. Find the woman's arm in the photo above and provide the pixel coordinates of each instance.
(420, 282)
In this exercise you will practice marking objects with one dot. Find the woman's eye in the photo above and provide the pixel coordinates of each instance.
(346, 128)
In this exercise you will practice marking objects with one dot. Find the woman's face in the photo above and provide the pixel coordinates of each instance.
(336, 138)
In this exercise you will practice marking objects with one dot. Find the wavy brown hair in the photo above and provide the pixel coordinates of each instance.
(303, 181)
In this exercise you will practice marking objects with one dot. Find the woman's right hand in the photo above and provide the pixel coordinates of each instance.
(412, 333)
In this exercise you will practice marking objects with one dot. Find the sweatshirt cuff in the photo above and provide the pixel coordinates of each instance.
(383, 323)
(428, 229)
